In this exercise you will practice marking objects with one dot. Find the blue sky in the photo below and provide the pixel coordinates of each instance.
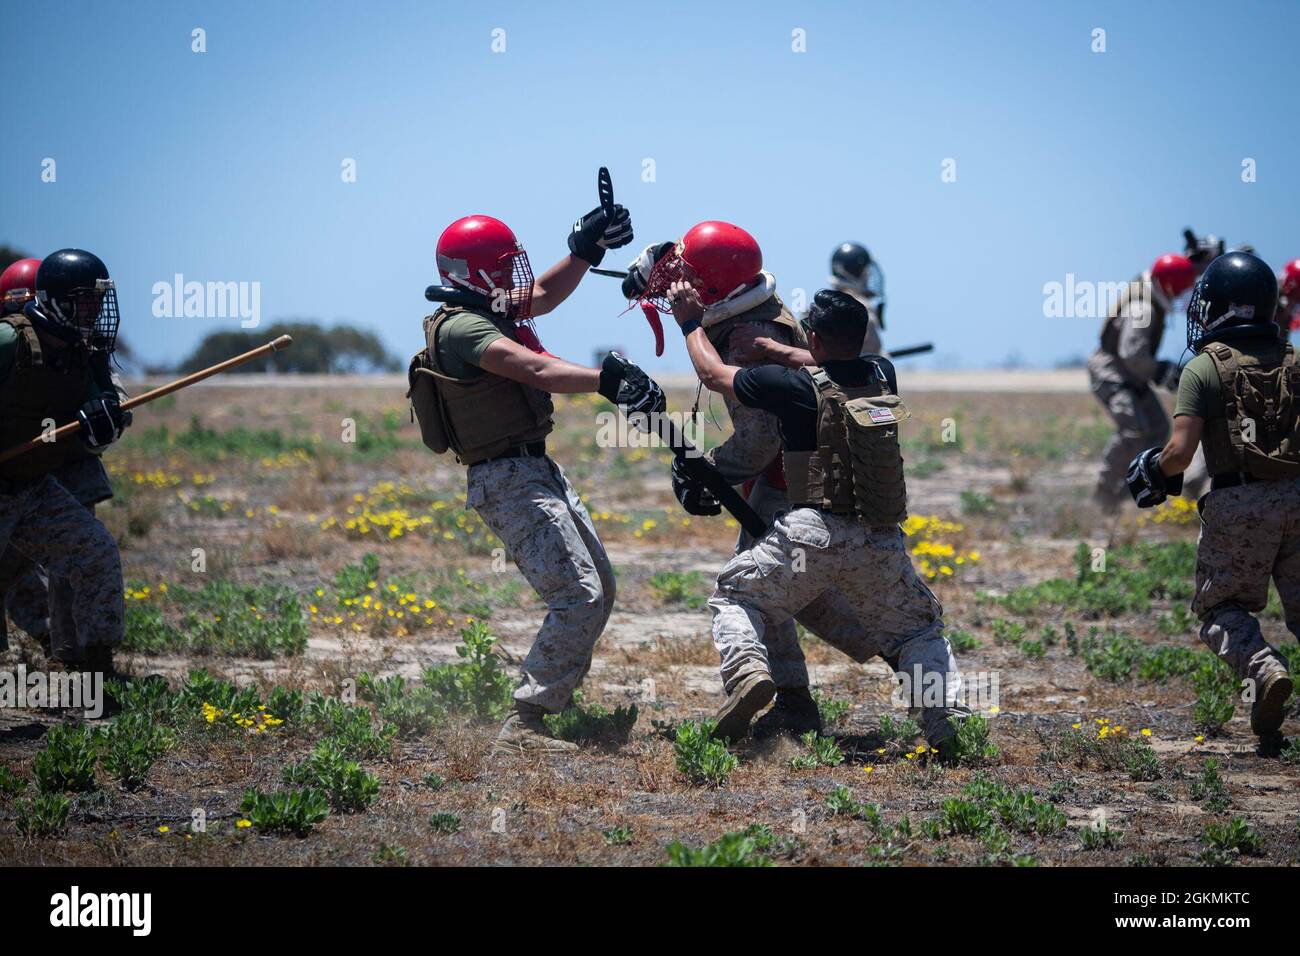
(225, 165)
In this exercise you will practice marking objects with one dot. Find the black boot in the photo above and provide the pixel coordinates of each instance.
(795, 713)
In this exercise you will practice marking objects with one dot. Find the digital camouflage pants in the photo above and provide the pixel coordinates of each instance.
(530, 505)
(39, 604)
(861, 578)
(47, 525)
(1250, 534)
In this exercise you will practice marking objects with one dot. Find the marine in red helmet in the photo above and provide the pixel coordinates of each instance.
(1288, 298)
(482, 390)
(1125, 370)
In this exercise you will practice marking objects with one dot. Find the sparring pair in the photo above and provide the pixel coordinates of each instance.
(858, 590)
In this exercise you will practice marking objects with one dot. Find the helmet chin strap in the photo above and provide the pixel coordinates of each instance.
(51, 326)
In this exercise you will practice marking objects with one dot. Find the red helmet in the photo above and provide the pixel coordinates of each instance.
(717, 258)
(18, 285)
(481, 254)
(1288, 283)
(1174, 274)
(1288, 297)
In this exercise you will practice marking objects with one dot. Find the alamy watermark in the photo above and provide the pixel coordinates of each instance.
(180, 299)
(71, 690)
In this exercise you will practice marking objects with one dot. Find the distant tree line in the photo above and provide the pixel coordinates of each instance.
(316, 349)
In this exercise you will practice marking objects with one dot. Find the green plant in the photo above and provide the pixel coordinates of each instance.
(972, 745)
(349, 788)
(1216, 697)
(831, 709)
(586, 723)
(617, 836)
(130, 745)
(841, 803)
(1141, 761)
(687, 588)
(964, 817)
(434, 781)
(67, 763)
(444, 822)
(1222, 840)
(961, 640)
(897, 732)
(699, 757)
(476, 684)
(1100, 837)
(1210, 789)
(411, 712)
(285, 811)
(388, 855)
(747, 848)
(976, 503)
(43, 815)
(821, 752)
(11, 785)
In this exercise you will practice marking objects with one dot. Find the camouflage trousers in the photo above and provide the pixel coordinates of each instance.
(42, 606)
(861, 580)
(1141, 423)
(44, 523)
(530, 505)
(1249, 535)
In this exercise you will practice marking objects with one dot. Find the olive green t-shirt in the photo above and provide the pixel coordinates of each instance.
(461, 342)
(1200, 392)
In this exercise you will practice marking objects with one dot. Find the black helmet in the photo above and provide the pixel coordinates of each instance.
(74, 294)
(1236, 292)
(850, 262)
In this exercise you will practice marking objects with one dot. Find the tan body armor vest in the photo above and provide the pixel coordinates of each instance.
(857, 468)
(1259, 433)
(769, 310)
(36, 393)
(1110, 332)
(478, 418)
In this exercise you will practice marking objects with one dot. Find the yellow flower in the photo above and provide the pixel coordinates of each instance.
(1146, 731)
(868, 769)
(164, 829)
(243, 824)
(1199, 739)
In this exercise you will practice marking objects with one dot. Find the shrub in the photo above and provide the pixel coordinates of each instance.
(285, 811)
(700, 758)
(67, 763)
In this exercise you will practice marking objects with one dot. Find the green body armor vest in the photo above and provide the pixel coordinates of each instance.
(36, 394)
(1259, 433)
(857, 468)
(477, 418)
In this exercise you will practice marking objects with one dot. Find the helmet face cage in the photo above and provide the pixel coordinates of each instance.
(521, 282)
(90, 312)
(1197, 307)
(669, 269)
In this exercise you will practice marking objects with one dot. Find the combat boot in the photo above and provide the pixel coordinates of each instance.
(524, 731)
(795, 713)
(752, 694)
(1269, 709)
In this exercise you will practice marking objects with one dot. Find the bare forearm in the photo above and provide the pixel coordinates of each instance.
(788, 355)
(557, 284)
(1181, 447)
(565, 378)
(714, 374)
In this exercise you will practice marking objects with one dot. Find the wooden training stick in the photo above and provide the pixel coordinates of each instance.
(63, 431)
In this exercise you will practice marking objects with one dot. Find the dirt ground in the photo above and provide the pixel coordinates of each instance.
(287, 488)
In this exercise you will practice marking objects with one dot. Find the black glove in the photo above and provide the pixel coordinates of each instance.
(1167, 375)
(103, 420)
(638, 273)
(628, 386)
(599, 230)
(1148, 485)
(695, 499)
